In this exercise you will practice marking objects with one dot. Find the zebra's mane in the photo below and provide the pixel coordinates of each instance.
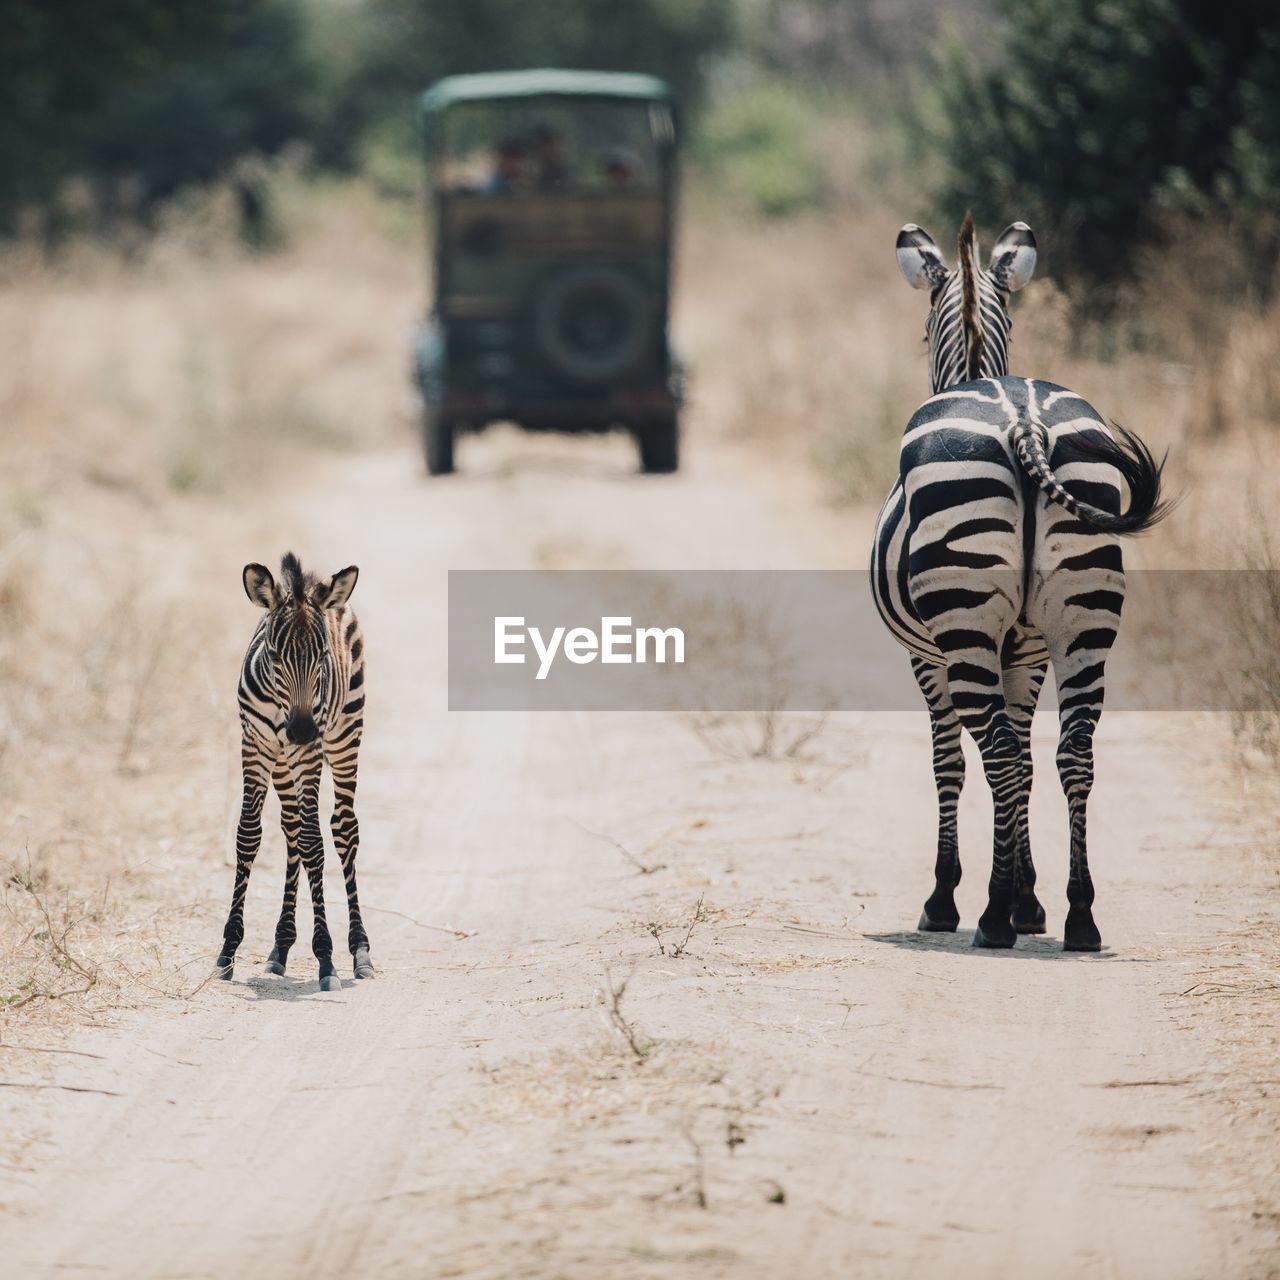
(967, 247)
(296, 583)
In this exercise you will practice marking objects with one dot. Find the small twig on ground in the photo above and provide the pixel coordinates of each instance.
(182, 1062)
(640, 1047)
(66, 1088)
(699, 1172)
(33, 1048)
(654, 929)
(699, 915)
(423, 924)
(640, 866)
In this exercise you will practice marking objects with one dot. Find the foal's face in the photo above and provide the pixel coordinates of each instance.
(300, 664)
(298, 644)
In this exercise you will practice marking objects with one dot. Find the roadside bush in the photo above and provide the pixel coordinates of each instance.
(1100, 120)
(762, 146)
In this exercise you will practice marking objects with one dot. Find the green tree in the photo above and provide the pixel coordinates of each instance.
(1095, 120)
(163, 92)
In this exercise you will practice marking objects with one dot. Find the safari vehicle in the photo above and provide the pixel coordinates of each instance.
(552, 197)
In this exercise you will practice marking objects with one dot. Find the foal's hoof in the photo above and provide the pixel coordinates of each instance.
(222, 969)
(995, 934)
(930, 925)
(363, 965)
(275, 967)
(1080, 933)
(1028, 916)
(939, 914)
(331, 982)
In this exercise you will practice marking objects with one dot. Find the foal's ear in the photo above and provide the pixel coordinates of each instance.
(1014, 257)
(334, 592)
(260, 586)
(919, 259)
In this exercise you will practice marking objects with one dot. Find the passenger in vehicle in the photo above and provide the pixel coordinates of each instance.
(621, 169)
(508, 167)
(548, 149)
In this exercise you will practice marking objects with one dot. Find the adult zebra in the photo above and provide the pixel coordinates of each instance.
(301, 703)
(996, 553)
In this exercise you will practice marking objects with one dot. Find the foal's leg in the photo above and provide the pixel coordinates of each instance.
(304, 765)
(1021, 690)
(940, 914)
(256, 768)
(290, 824)
(346, 839)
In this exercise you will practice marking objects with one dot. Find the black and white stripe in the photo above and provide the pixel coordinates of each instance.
(301, 704)
(995, 555)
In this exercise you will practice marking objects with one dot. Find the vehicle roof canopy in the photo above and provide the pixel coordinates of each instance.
(545, 82)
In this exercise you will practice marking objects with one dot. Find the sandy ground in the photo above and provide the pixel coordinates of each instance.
(815, 1089)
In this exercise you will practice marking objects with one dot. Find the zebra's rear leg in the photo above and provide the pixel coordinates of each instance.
(286, 929)
(968, 622)
(975, 686)
(1002, 763)
(1021, 691)
(940, 914)
(1075, 768)
(346, 839)
(1079, 656)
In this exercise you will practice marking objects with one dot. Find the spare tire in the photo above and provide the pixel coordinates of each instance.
(593, 323)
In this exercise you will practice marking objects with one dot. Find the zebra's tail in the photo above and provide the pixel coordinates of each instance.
(1127, 453)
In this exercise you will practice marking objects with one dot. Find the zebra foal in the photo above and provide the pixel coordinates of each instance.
(301, 704)
(996, 554)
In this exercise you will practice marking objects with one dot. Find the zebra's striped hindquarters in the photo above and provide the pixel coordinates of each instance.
(968, 543)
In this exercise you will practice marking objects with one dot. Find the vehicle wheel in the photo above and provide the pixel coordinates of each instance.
(437, 442)
(593, 323)
(659, 446)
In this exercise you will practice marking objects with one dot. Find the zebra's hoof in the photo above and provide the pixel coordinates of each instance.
(1080, 933)
(274, 966)
(940, 914)
(222, 969)
(331, 982)
(996, 936)
(1028, 916)
(929, 925)
(362, 964)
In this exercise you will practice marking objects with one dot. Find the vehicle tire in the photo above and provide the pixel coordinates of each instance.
(437, 442)
(593, 323)
(659, 446)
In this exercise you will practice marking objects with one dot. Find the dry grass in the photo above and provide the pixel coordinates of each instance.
(805, 341)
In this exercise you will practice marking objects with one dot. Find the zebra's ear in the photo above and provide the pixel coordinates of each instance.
(919, 259)
(1014, 257)
(334, 592)
(260, 586)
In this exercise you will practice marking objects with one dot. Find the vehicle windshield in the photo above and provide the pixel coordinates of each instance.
(549, 145)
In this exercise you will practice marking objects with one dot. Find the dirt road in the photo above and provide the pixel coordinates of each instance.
(815, 1090)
